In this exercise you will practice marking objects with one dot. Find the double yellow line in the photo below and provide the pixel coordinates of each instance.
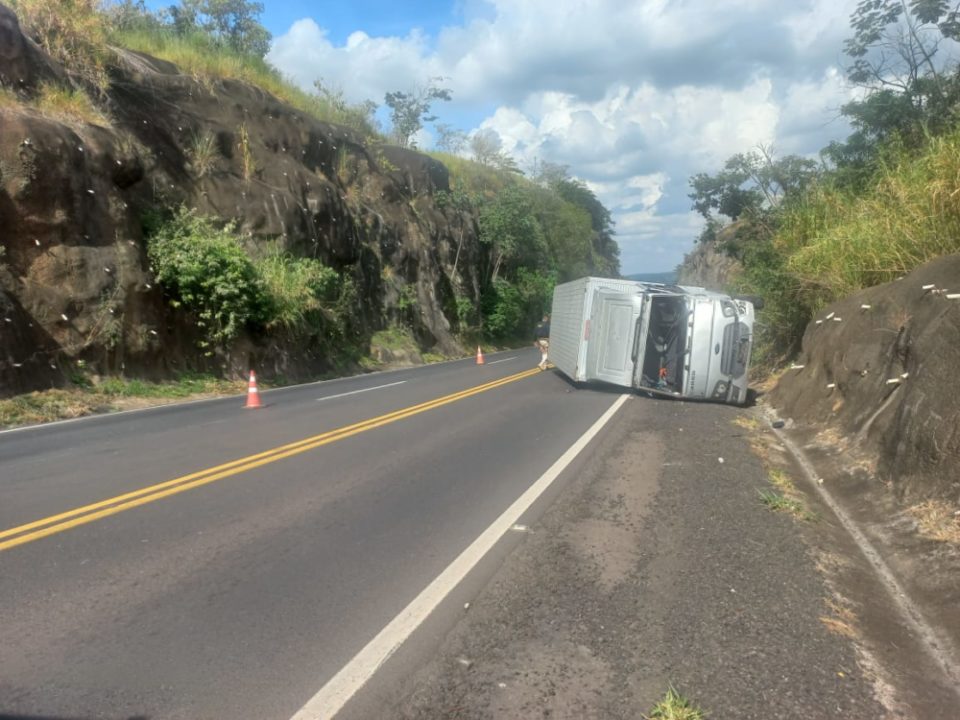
(111, 506)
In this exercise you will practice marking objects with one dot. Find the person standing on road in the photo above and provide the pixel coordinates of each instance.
(542, 340)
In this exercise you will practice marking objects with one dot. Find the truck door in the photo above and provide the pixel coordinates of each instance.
(613, 324)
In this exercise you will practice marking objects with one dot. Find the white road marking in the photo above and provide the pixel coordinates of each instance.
(504, 360)
(347, 682)
(357, 392)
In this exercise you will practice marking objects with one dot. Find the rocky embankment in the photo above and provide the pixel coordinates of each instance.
(707, 265)
(75, 280)
(877, 379)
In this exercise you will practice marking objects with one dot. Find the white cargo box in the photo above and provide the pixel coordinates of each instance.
(570, 321)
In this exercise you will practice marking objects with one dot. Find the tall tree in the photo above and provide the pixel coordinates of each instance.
(750, 183)
(132, 15)
(605, 256)
(485, 145)
(410, 110)
(897, 54)
(510, 228)
(234, 23)
(487, 149)
(450, 139)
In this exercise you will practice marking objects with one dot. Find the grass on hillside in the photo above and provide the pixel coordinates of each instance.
(73, 33)
(112, 394)
(674, 706)
(197, 55)
(839, 243)
(472, 176)
(68, 104)
(395, 338)
(834, 243)
(60, 103)
(8, 97)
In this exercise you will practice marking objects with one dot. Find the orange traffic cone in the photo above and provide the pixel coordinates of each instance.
(479, 356)
(253, 395)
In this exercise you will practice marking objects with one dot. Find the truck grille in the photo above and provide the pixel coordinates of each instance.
(731, 359)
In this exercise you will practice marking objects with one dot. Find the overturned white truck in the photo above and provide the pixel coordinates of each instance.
(672, 340)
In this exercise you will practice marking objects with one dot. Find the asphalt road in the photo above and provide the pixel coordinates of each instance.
(240, 595)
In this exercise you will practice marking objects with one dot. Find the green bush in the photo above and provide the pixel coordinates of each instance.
(205, 270)
(513, 308)
(297, 292)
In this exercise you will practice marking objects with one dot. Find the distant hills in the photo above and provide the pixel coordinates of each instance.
(662, 277)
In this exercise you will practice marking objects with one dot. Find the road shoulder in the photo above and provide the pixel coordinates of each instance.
(658, 566)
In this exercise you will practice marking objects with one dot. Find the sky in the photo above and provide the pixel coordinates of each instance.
(635, 96)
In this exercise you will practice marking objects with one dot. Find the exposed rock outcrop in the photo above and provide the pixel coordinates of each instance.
(879, 381)
(75, 281)
(707, 265)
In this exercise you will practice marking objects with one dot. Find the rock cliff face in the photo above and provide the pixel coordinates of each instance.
(75, 281)
(708, 266)
(877, 381)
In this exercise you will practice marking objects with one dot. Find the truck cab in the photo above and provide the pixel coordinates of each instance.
(696, 344)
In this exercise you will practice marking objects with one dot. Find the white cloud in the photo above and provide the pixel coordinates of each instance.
(633, 95)
(364, 67)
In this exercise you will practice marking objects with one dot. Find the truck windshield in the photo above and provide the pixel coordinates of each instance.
(665, 344)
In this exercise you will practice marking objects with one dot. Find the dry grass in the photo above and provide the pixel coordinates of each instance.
(829, 563)
(472, 176)
(45, 406)
(766, 378)
(110, 395)
(838, 243)
(899, 319)
(937, 520)
(203, 153)
(73, 33)
(196, 55)
(8, 97)
(746, 422)
(248, 163)
(841, 620)
(69, 105)
(780, 480)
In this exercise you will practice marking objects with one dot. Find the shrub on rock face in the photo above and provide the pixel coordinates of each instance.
(297, 291)
(204, 269)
